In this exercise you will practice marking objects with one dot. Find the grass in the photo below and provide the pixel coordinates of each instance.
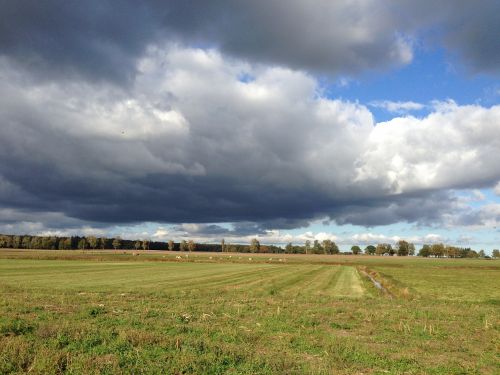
(111, 312)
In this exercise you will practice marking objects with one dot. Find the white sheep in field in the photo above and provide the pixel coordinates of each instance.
(178, 257)
(249, 258)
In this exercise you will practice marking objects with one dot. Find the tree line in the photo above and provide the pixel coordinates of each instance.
(93, 242)
(401, 248)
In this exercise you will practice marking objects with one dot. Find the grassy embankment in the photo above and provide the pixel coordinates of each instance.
(112, 312)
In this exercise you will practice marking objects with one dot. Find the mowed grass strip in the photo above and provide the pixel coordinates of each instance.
(126, 277)
(66, 275)
(349, 283)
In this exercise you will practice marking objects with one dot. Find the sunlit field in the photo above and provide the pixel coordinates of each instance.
(160, 312)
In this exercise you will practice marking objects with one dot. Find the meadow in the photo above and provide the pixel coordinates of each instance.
(109, 312)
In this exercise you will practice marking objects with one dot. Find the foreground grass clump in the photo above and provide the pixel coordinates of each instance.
(211, 314)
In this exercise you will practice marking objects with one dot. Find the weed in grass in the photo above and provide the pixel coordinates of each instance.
(16, 327)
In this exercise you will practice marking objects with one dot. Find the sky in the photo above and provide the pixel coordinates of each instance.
(360, 121)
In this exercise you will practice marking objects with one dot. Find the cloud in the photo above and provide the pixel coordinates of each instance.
(484, 217)
(477, 196)
(204, 143)
(375, 238)
(99, 40)
(190, 142)
(102, 40)
(238, 229)
(23, 221)
(425, 208)
(468, 29)
(202, 229)
(397, 107)
(454, 146)
(497, 189)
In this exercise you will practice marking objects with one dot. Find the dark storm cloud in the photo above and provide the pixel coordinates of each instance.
(96, 39)
(208, 230)
(426, 208)
(469, 29)
(240, 229)
(102, 40)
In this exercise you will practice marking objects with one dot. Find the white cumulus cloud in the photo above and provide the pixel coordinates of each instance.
(397, 107)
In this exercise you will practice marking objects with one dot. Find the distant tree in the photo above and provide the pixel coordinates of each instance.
(381, 249)
(307, 247)
(65, 243)
(390, 249)
(329, 247)
(471, 254)
(48, 243)
(145, 245)
(223, 245)
(117, 242)
(370, 250)
(335, 248)
(191, 246)
(355, 249)
(275, 249)
(44, 243)
(411, 249)
(317, 248)
(437, 250)
(82, 244)
(183, 245)
(35, 243)
(452, 251)
(26, 242)
(102, 242)
(60, 245)
(289, 248)
(5, 241)
(137, 244)
(92, 241)
(425, 251)
(254, 245)
(496, 253)
(481, 254)
(16, 242)
(404, 248)
(384, 248)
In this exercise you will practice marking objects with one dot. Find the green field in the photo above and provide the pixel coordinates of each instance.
(113, 312)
